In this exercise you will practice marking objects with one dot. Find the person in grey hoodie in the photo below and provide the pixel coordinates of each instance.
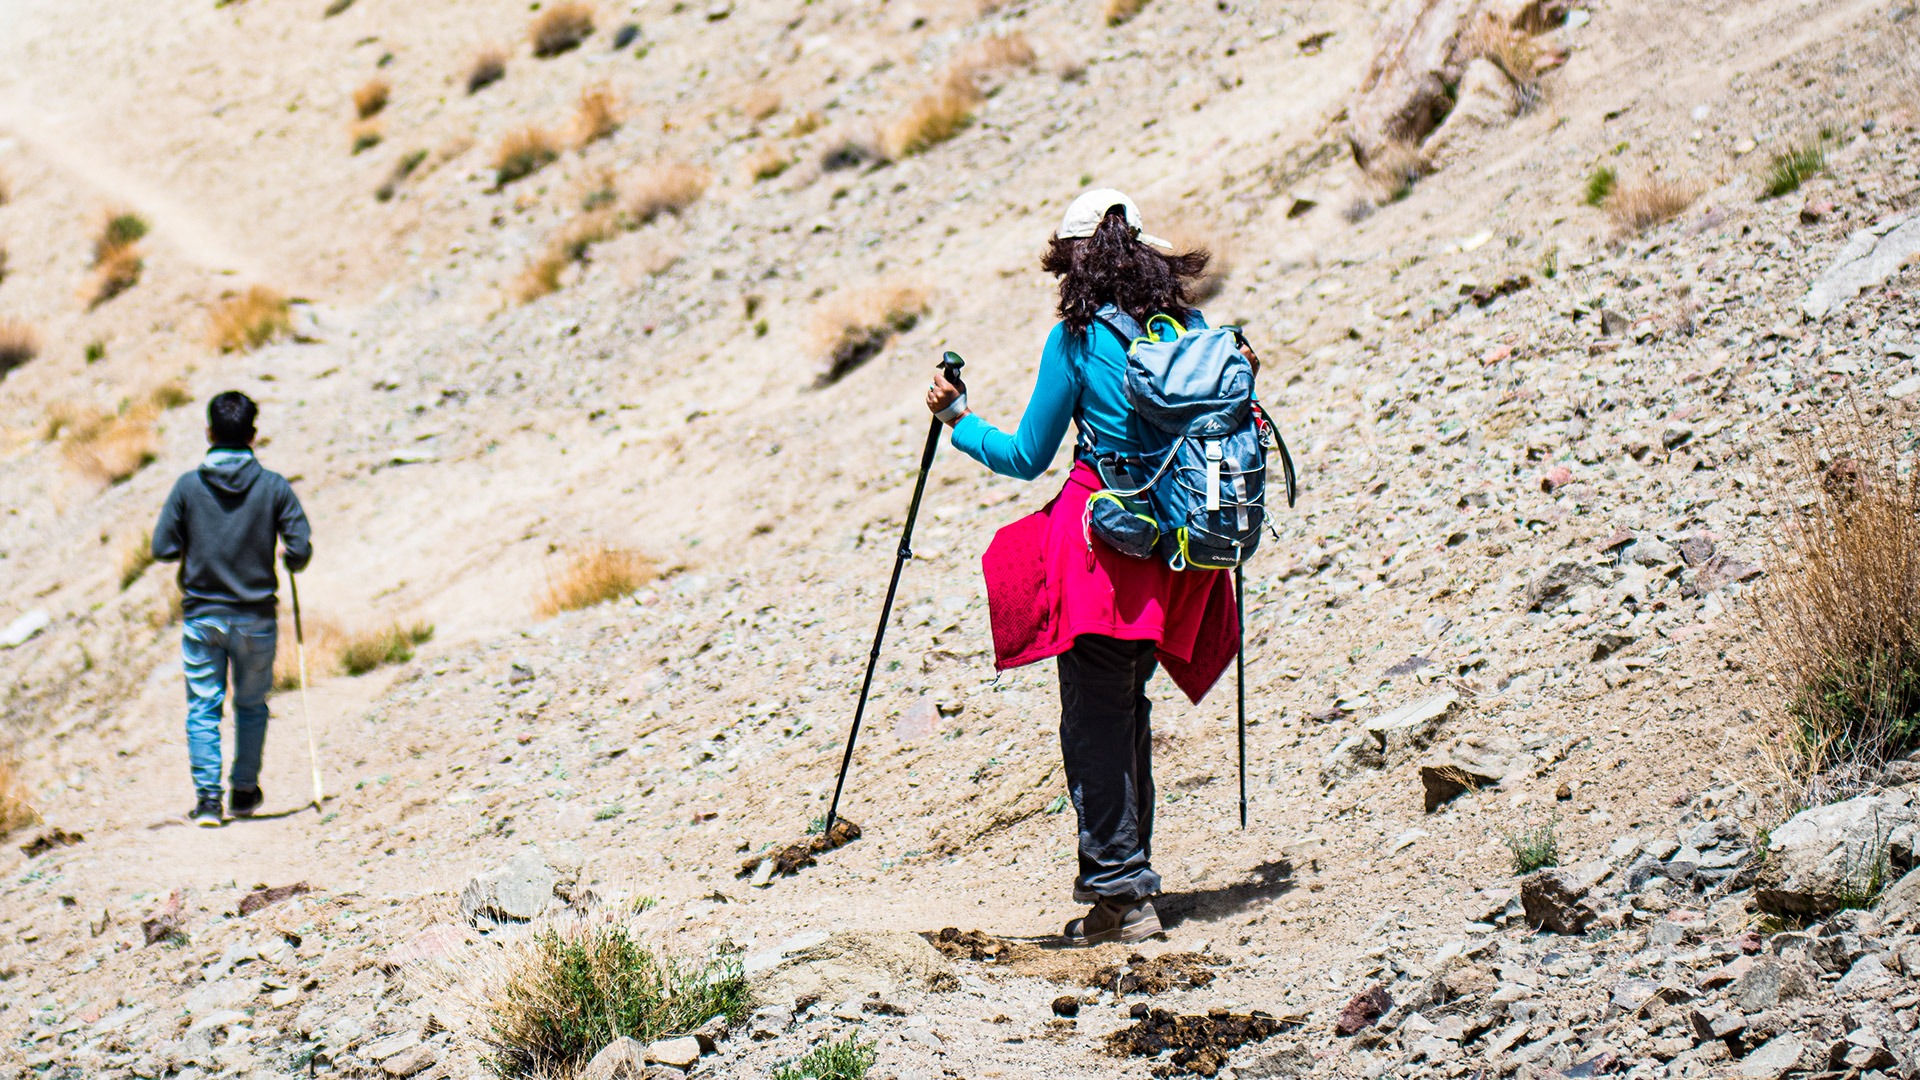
(220, 523)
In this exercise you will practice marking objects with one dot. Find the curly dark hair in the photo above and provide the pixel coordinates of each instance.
(1113, 267)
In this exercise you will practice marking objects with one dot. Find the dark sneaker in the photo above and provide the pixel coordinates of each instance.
(206, 812)
(1114, 920)
(242, 802)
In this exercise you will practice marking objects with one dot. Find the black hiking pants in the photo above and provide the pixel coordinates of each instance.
(1106, 740)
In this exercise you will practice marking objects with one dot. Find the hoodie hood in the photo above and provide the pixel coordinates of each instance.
(229, 472)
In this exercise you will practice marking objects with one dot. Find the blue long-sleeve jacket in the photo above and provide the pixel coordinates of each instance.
(1081, 377)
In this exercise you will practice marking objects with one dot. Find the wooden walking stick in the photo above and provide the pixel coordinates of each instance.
(300, 647)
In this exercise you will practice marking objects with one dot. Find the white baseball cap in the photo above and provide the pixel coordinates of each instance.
(1085, 213)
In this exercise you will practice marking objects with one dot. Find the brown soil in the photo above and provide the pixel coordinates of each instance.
(1141, 975)
(1196, 1045)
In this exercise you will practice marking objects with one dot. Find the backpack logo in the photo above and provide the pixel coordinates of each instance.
(1198, 496)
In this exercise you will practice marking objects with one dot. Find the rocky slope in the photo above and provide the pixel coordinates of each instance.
(1543, 463)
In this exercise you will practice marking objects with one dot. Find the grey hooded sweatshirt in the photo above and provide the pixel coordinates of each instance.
(220, 522)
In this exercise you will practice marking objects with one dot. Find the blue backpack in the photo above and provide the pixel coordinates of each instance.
(1197, 496)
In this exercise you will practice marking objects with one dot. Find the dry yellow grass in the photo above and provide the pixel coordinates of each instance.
(932, 118)
(3, 262)
(596, 115)
(325, 642)
(115, 274)
(19, 343)
(489, 66)
(854, 327)
(594, 575)
(664, 189)
(1120, 11)
(108, 447)
(6, 189)
(248, 320)
(371, 97)
(807, 123)
(570, 245)
(561, 28)
(1514, 51)
(996, 53)
(135, 556)
(1639, 206)
(760, 104)
(766, 163)
(523, 153)
(16, 801)
(1395, 168)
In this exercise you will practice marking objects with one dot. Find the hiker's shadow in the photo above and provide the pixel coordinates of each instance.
(1269, 881)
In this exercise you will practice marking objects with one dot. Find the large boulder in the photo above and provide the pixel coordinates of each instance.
(1485, 99)
(1560, 899)
(1404, 95)
(1832, 857)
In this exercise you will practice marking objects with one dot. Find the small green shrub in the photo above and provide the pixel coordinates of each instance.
(848, 1059)
(1534, 847)
(1600, 184)
(1794, 166)
(569, 992)
(391, 645)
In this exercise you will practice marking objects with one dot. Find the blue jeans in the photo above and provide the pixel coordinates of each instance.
(211, 645)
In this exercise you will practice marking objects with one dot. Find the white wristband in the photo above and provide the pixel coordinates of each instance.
(954, 411)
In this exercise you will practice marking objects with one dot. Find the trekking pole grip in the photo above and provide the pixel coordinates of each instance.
(950, 365)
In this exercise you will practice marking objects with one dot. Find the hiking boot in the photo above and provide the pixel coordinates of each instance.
(242, 802)
(1114, 920)
(206, 812)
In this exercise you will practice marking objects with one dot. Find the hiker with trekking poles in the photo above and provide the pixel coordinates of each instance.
(1127, 569)
(220, 522)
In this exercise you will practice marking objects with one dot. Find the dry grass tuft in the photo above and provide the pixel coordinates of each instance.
(489, 66)
(1842, 617)
(1395, 168)
(16, 801)
(766, 163)
(325, 641)
(19, 343)
(249, 320)
(806, 124)
(665, 189)
(595, 575)
(108, 448)
(570, 245)
(856, 326)
(760, 104)
(596, 115)
(365, 135)
(1637, 207)
(523, 153)
(996, 53)
(135, 557)
(120, 231)
(115, 274)
(6, 190)
(561, 28)
(1515, 52)
(371, 97)
(933, 118)
(1120, 11)
(3, 263)
(554, 997)
(393, 644)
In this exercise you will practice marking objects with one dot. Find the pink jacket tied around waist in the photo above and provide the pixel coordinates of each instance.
(1048, 582)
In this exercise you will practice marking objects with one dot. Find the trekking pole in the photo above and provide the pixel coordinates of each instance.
(1240, 684)
(950, 365)
(306, 714)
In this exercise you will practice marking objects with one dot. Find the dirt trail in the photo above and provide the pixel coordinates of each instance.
(453, 448)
